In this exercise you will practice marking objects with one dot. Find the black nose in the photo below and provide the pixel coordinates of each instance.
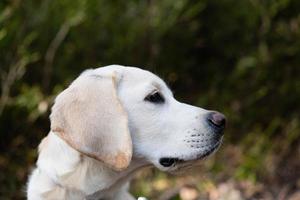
(217, 120)
(167, 162)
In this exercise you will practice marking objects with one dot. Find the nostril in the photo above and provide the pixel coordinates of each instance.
(217, 119)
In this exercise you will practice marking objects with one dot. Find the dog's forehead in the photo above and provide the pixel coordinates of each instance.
(124, 71)
(136, 76)
(139, 75)
(132, 76)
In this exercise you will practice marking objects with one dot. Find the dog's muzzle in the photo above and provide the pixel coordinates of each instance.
(216, 123)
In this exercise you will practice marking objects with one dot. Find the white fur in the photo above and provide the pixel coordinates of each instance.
(170, 129)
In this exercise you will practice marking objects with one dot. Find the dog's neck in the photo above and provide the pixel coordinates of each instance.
(71, 169)
(121, 178)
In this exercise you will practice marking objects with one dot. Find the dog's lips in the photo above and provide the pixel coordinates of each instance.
(182, 162)
(182, 165)
(209, 152)
(204, 154)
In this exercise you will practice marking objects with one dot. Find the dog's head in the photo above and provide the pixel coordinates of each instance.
(114, 113)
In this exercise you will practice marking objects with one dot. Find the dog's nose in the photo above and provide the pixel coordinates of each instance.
(217, 120)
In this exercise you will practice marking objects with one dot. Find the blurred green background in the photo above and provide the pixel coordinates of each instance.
(239, 57)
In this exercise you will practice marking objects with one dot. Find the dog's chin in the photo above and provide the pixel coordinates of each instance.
(175, 165)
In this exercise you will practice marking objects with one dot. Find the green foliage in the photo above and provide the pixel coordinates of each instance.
(239, 57)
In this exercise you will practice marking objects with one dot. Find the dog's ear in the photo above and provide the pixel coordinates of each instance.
(89, 117)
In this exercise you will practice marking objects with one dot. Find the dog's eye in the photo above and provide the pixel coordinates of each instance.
(155, 97)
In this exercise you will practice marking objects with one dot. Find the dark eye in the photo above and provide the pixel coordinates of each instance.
(155, 97)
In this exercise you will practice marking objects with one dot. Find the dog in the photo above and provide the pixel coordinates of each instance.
(111, 122)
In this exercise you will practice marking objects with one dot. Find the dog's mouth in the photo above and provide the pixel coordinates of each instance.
(168, 162)
(173, 161)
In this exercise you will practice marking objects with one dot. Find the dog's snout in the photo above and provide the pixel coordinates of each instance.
(216, 120)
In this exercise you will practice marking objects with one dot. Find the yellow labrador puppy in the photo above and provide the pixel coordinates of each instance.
(111, 122)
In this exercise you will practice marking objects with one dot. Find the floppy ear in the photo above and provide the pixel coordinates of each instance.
(89, 117)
